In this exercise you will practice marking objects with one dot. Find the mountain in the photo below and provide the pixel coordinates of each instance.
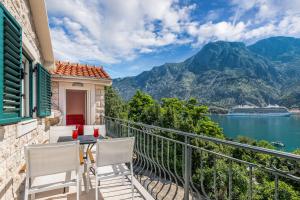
(284, 50)
(227, 74)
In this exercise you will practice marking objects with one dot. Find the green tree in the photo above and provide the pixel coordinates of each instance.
(266, 191)
(151, 115)
(114, 105)
(138, 104)
(190, 116)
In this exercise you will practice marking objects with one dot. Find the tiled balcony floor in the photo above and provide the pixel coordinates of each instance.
(111, 189)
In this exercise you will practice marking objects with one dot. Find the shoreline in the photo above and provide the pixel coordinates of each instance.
(271, 129)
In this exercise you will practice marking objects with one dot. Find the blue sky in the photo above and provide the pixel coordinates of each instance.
(131, 36)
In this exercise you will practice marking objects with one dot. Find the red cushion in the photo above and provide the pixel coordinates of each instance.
(75, 119)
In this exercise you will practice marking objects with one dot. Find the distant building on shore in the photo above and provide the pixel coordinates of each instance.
(270, 110)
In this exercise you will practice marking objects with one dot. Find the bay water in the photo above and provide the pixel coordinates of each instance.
(283, 129)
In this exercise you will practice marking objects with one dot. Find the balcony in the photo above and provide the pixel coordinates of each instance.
(170, 164)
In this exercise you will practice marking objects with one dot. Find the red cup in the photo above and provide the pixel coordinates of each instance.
(96, 132)
(75, 134)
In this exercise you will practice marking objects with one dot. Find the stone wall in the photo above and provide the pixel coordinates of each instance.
(12, 157)
(55, 95)
(20, 10)
(100, 103)
(11, 143)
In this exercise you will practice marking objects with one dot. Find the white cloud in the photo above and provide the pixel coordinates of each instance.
(217, 31)
(114, 30)
(77, 47)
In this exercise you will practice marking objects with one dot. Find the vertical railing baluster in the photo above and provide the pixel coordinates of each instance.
(149, 171)
(202, 175)
(145, 154)
(215, 177)
(250, 182)
(154, 164)
(276, 187)
(117, 129)
(163, 182)
(128, 130)
(169, 168)
(187, 168)
(142, 154)
(230, 180)
(175, 164)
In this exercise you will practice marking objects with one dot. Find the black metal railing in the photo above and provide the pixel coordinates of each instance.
(173, 164)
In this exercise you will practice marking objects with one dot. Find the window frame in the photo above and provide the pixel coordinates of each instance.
(30, 79)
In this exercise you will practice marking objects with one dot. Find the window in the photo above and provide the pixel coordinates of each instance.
(43, 92)
(16, 76)
(10, 68)
(26, 86)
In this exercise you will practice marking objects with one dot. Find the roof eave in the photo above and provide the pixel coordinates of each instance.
(40, 20)
(93, 80)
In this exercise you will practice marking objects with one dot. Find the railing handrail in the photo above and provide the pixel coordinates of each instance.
(217, 140)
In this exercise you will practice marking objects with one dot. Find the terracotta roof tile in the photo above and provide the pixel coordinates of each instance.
(75, 69)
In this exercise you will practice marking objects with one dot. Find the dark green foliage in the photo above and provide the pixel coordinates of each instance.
(266, 191)
(114, 105)
(190, 116)
(139, 104)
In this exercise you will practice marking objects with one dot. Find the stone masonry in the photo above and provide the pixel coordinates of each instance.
(20, 10)
(12, 146)
(99, 94)
(55, 95)
(12, 157)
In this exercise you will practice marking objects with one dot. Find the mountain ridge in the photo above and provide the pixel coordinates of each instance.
(224, 74)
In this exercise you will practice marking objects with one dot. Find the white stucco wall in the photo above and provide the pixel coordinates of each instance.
(89, 88)
(95, 99)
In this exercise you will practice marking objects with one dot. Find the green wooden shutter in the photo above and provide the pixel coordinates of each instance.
(43, 92)
(10, 68)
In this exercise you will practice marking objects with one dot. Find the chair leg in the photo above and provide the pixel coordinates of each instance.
(96, 187)
(26, 194)
(26, 189)
(88, 176)
(78, 186)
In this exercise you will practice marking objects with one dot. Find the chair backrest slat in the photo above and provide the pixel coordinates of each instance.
(114, 151)
(49, 159)
(57, 131)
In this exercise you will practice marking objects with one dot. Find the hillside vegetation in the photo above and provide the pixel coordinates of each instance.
(225, 74)
(191, 116)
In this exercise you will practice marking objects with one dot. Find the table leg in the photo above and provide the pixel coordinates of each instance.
(90, 146)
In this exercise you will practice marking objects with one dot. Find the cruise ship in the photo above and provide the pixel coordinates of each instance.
(271, 110)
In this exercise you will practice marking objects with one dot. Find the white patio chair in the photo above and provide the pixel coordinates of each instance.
(57, 131)
(111, 156)
(51, 166)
